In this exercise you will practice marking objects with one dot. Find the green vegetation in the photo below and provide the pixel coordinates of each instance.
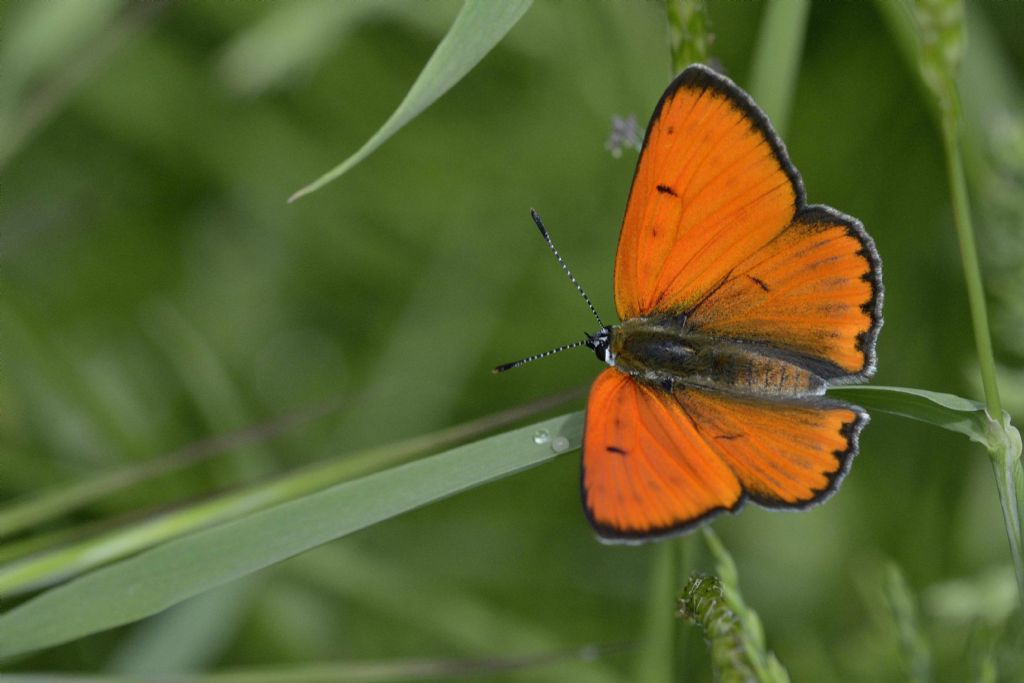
(234, 427)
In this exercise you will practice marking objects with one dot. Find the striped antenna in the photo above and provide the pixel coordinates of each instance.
(547, 238)
(572, 278)
(538, 356)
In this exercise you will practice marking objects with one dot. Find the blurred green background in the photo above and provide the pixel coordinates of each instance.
(158, 290)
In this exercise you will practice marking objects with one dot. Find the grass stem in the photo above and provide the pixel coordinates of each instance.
(969, 257)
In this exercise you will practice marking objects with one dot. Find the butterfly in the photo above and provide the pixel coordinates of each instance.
(740, 304)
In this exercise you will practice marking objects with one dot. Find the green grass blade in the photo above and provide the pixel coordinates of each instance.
(71, 559)
(192, 636)
(732, 628)
(289, 41)
(932, 34)
(1000, 438)
(942, 38)
(776, 63)
(657, 661)
(941, 410)
(914, 649)
(1005, 452)
(969, 257)
(166, 575)
(45, 43)
(477, 29)
(365, 671)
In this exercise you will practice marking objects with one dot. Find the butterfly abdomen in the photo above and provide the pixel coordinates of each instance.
(767, 376)
(664, 352)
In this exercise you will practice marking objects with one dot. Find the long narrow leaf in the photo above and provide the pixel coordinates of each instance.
(776, 62)
(66, 560)
(477, 29)
(942, 410)
(657, 662)
(166, 575)
(359, 671)
(998, 435)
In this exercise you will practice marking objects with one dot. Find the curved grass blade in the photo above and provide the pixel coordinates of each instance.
(56, 560)
(163, 576)
(942, 410)
(998, 436)
(477, 29)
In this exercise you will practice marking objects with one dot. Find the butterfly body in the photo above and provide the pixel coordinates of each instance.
(667, 352)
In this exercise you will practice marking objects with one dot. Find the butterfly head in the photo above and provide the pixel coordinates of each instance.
(600, 344)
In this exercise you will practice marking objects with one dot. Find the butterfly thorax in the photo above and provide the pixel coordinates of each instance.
(667, 352)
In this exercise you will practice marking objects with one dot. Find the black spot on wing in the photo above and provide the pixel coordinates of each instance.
(665, 189)
(615, 449)
(700, 77)
(760, 283)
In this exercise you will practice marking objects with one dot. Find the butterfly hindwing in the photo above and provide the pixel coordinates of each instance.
(785, 454)
(655, 463)
(815, 290)
(712, 186)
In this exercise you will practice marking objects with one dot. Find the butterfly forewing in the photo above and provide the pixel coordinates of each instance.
(647, 471)
(712, 186)
(717, 229)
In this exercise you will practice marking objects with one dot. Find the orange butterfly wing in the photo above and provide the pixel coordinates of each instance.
(646, 469)
(657, 463)
(717, 228)
(814, 290)
(785, 454)
(712, 186)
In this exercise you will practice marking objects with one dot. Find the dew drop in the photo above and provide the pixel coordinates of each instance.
(560, 444)
(541, 436)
